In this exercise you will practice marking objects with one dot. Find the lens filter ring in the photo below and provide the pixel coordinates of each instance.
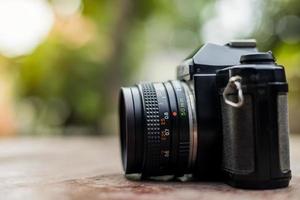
(127, 129)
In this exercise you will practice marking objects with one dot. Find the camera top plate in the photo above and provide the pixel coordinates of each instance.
(212, 57)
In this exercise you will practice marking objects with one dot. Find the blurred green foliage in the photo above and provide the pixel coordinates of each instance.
(70, 81)
(77, 85)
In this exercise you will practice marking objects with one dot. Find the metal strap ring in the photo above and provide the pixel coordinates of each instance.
(234, 83)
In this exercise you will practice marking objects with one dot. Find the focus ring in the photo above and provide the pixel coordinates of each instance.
(152, 129)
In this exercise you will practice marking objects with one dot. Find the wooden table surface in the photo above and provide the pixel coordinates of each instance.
(90, 168)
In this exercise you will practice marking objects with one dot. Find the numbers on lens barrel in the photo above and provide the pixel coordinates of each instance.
(166, 115)
(178, 88)
(163, 120)
(182, 109)
(164, 134)
(165, 153)
(164, 123)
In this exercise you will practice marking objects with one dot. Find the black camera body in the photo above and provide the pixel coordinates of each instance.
(249, 142)
(225, 118)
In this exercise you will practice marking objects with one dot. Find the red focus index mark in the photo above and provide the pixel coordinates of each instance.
(174, 114)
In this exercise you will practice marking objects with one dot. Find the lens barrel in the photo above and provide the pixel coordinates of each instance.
(158, 130)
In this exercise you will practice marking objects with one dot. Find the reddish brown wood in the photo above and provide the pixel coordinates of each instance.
(89, 168)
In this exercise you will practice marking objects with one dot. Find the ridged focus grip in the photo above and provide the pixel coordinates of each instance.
(152, 129)
(166, 144)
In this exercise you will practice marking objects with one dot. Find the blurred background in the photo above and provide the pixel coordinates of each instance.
(62, 61)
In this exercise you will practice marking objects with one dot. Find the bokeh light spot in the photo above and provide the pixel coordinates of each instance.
(24, 24)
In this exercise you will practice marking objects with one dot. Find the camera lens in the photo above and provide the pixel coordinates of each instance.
(158, 129)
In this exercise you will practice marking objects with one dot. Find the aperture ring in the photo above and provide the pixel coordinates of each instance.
(165, 127)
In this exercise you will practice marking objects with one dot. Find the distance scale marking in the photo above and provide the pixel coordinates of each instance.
(183, 127)
(181, 100)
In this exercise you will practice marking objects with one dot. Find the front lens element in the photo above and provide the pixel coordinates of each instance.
(157, 126)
